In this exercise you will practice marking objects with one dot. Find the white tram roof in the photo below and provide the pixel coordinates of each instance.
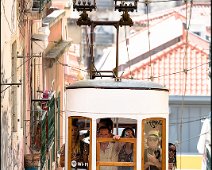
(116, 97)
(112, 84)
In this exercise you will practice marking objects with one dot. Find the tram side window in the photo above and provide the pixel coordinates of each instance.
(79, 140)
(116, 151)
(153, 144)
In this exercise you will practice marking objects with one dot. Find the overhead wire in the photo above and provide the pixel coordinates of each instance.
(156, 1)
(84, 70)
(203, 117)
(72, 67)
(149, 46)
(188, 140)
(14, 73)
(17, 69)
(181, 71)
(190, 121)
(185, 68)
(185, 64)
(63, 64)
(128, 55)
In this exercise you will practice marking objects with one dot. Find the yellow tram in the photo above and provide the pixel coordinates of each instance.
(141, 106)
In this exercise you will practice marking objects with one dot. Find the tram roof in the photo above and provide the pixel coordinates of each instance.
(112, 84)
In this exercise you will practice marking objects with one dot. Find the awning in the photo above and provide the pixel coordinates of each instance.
(58, 50)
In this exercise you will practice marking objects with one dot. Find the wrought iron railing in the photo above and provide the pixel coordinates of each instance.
(51, 121)
(43, 139)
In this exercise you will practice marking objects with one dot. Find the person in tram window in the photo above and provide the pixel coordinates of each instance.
(152, 154)
(126, 152)
(75, 145)
(106, 122)
(79, 149)
(108, 150)
(172, 156)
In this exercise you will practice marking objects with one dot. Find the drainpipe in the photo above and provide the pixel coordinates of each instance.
(31, 83)
(91, 64)
(24, 98)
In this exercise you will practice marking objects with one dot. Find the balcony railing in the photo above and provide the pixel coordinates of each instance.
(43, 139)
(51, 121)
(47, 129)
(43, 126)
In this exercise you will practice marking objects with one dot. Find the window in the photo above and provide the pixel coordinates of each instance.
(115, 154)
(154, 135)
(79, 143)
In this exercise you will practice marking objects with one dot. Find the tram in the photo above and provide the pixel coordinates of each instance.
(141, 106)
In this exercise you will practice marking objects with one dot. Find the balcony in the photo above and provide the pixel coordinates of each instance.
(42, 128)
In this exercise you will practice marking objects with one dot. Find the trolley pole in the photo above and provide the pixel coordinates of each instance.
(125, 20)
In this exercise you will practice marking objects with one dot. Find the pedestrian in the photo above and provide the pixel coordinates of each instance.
(172, 157)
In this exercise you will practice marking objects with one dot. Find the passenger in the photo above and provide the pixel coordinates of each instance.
(126, 152)
(76, 154)
(76, 151)
(78, 148)
(152, 154)
(172, 156)
(108, 150)
(106, 122)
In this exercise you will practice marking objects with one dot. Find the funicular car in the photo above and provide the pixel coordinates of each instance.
(133, 104)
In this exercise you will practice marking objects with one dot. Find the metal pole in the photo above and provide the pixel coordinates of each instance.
(91, 50)
(117, 51)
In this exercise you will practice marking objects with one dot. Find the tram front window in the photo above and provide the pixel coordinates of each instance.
(116, 151)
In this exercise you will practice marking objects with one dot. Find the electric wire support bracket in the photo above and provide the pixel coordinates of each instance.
(89, 5)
